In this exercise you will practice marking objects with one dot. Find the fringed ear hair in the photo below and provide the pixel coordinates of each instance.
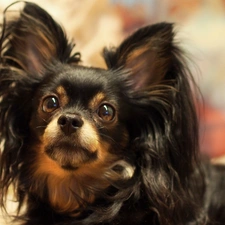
(34, 39)
(166, 128)
(146, 54)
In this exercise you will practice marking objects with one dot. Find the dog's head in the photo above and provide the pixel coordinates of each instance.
(71, 132)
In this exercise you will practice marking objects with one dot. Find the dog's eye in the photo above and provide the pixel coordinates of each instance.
(106, 112)
(50, 104)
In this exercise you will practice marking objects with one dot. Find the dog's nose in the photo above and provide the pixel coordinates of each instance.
(69, 123)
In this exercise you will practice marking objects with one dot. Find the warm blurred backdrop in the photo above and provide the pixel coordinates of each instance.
(94, 24)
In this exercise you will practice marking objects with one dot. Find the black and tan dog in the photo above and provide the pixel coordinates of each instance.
(84, 145)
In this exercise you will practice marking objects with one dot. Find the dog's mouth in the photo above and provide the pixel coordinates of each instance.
(70, 156)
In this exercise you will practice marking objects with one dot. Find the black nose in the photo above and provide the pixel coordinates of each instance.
(69, 123)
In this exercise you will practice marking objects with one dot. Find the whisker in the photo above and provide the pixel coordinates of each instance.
(43, 119)
(40, 127)
(110, 139)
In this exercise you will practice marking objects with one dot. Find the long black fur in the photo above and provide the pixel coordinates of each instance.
(149, 77)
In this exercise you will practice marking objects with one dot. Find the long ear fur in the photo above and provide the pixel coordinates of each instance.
(164, 123)
(34, 39)
(29, 44)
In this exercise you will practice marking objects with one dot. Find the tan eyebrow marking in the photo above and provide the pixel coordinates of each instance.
(63, 95)
(96, 100)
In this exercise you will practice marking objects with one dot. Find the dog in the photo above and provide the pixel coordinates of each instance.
(84, 145)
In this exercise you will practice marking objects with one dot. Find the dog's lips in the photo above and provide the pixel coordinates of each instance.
(70, 157)
(69, 167)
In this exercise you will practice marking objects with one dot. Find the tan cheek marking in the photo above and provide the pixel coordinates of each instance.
(45, 165)
(51, 132)
(103, 153)
(88, 136)
(63, 95)
(96, 100)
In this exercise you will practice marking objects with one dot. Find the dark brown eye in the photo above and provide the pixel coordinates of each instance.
(106, 112)
(50, 104)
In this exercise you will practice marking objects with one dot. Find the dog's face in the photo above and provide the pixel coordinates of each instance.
(76, 117)
(78, 132)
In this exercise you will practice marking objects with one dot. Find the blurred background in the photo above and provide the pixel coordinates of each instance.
(94, 24)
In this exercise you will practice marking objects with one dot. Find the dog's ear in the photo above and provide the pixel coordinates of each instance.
(146, 54)
(35, 39)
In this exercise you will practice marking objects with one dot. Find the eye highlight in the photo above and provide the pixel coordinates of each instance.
(106, 112)
(50, 104)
